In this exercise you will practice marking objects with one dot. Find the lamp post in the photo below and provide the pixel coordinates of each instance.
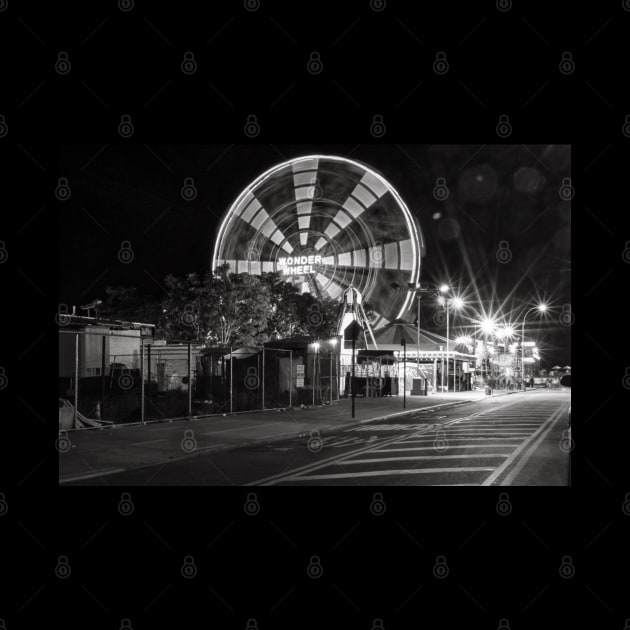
(541, 308)
(419, 290)
(403, 343)
(448, 303)
(488, 325)
(448, 310)
(503, 334)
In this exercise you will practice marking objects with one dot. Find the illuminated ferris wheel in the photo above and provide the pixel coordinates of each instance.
(325, 223)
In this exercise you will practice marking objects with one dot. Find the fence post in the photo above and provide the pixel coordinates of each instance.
(142, 379)
(352, 385)
(330, 379)
(189, 384)
(76, 378)
(338, 367)
(231, 374)
(263, 379)
(103, 371)
(404, 345)
(149, 381)
(290, 378)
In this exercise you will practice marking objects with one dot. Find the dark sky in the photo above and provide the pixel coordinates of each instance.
(499, 195)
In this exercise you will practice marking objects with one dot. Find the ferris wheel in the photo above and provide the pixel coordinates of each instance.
(326, 223)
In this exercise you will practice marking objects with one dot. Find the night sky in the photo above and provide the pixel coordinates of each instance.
(499, 195)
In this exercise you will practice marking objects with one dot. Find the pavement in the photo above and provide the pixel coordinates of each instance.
(91, 454)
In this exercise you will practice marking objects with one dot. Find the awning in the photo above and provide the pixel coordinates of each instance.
(386, 357)
(243, 353)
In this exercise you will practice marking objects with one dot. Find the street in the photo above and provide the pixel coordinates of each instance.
(518, 439)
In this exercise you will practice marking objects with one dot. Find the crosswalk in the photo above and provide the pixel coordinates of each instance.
(473, 450)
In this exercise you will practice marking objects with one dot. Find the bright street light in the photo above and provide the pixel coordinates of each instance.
(444, 288)
(488, 325)
(504, 332)
(541, 308)
(453, 302)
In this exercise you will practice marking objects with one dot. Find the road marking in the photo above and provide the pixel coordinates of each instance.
(508, 462)
(390, 427)
(507, 434)
(474, 430)
(526, 457)
(343, 442)
(457, 439)
(427, 430)
(384, 473)
(378, 460)
(492, 425)
(96, 473)
(432, 448)
(322, 463)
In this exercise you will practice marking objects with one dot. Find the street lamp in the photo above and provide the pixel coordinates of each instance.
(541, 308)
(488, 326)
(453, 302)
(403, 343)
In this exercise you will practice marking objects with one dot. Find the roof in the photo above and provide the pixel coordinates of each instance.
(77, 321)
(290, 342)
(397, 331)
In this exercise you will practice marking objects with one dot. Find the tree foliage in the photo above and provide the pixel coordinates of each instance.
(226, 308)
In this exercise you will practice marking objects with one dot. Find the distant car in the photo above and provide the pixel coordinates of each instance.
(565, 381)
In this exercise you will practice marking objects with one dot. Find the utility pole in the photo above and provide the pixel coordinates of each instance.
(404, 345)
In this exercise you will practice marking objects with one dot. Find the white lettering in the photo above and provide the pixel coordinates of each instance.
(298, 265)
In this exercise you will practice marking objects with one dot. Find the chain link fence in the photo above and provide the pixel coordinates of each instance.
(108, 378)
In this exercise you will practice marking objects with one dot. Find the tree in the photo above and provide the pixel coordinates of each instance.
(223, 308)
(220, 308)
(240, 308)
(294, 313)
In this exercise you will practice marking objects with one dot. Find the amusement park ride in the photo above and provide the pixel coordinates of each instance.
(352, 311)
(332, 226)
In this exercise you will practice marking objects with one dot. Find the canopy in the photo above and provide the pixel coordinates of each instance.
(396, 331)
(243, 353)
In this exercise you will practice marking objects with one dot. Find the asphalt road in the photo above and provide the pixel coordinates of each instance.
(508, 440)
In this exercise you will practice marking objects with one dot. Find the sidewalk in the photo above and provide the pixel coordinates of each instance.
(98, 452)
